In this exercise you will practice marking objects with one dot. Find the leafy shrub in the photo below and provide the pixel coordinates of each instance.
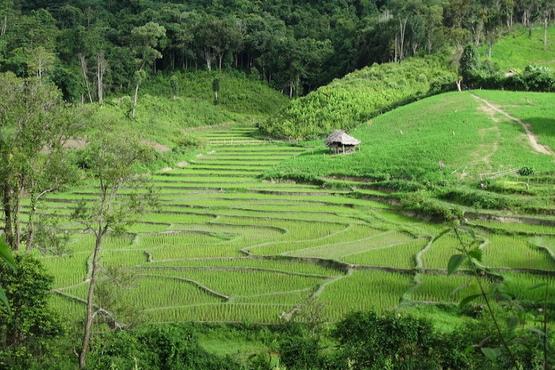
(424, 205)
(187, 142)
(348, 102)
(300, 353)
(478, 199)
(369, 341)
(162, 347)
(526, 171)
(538, 78)
(469, 63)
(28, 328)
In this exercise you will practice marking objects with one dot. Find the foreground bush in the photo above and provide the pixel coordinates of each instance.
(348, 102)
(160, 348)
(28, 328)
(370, 341)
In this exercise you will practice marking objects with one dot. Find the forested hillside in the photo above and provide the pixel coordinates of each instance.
(93, 48)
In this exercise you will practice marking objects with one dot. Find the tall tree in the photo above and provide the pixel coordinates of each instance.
(145, 41)
(112, 161)
(547, 8)
(34, 124)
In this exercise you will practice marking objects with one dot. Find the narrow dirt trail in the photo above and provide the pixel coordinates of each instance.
(532, 139)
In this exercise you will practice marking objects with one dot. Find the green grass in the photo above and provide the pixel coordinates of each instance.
(535, 109)
(411, 141)
(164, 122)
(518, 49)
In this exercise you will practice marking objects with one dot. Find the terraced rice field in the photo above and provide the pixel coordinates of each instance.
(225, 246)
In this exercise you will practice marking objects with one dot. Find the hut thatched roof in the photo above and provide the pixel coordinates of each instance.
(341, 137)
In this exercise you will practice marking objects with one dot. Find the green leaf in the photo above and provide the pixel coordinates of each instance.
(469, 299)
(455, 262)
(476, 253)
(6, 254)
(491, 353)
(4, 300)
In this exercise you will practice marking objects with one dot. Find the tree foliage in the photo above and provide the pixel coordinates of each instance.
(294, 46)
(27, 328)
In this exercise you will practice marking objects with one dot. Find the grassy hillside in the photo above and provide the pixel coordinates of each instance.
(409, 142)
(519, 49)
(455, 140)
(347, 102)
(161, 118)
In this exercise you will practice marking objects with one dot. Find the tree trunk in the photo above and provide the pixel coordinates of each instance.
(208, 58)
(39, 71)
(84, 71)
(135, 100)
(101, 66)
(290, 89)
(15, 220)
(545, 24)
(220, 58)
(396, 57)
(7, 204)
(4, 26)
(459, 83)
(402, 33)
(90, 301)
(31, 221)
(490, 48)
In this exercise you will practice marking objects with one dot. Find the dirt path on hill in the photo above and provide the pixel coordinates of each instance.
(532, 139)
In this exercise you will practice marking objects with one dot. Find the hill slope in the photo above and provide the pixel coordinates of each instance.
(347, 102)
(521, 48)
(455, 141)
(162, 118)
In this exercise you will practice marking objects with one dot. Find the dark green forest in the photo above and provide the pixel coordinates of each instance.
(93, 48)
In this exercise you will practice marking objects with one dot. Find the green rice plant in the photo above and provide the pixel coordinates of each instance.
(376, 240)
(242, 263)
(190, 255)
(515, 252)
(447, 289)
(363, 291)
(517, 227)
(221, 312)
(441, 250)
(293, 298)
(529, 288)
(69, 270)
(73, 311)
(338, 234)
(396, 255)
(240, 283)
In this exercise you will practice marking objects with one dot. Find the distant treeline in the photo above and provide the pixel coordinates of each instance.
(90, 48)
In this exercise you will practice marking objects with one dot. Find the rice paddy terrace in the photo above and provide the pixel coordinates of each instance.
(226, 246)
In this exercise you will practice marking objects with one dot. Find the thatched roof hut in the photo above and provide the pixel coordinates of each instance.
(340, 142)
